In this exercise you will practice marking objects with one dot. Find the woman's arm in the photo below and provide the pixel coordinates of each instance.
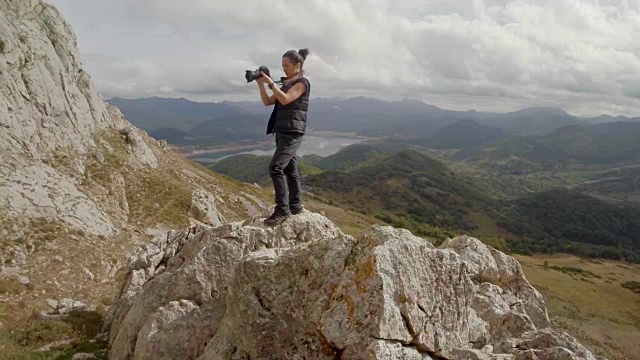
(291, 95)
(283, 97)
(266, 99)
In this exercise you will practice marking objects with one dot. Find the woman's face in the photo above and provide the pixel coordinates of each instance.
(289, 67)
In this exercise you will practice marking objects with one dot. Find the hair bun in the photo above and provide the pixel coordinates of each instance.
(303, 52)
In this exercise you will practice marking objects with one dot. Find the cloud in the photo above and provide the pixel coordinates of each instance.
(483, 54)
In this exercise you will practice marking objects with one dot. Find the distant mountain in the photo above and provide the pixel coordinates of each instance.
(602, 143)
(235, 127)
(608, 118)
(531, 121)
(463, 134)
(182, 114)
(408, 119)
(171, 135)
(606, 143)
(231, 128)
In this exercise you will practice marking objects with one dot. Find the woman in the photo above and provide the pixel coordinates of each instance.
(288, 121)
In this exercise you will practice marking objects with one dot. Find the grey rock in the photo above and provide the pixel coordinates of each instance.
(83, 356)
(88, 273)
(37, 190)
(203, 208)
(550, 344)
(55, 345)
(53, 304)
(138, 147)
(66, 306)
(304, 290)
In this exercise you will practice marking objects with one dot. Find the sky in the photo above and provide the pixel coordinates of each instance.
(487, 55)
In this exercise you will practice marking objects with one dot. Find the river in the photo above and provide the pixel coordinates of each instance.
(318, 145)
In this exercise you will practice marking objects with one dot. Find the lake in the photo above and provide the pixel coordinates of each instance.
(319, 145)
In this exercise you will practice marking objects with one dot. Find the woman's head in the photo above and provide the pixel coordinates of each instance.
(292, 61)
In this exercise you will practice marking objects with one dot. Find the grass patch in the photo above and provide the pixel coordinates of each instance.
(153, 195)
(10, 287)
(61, 158)
(81, 327)
(632, 285)
(158, 197)
(572, 270)
(37, 231)
(597, 312)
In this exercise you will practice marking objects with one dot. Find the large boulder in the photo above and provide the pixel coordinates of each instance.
(305, 290)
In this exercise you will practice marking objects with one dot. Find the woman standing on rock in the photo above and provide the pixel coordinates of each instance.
(288, 121)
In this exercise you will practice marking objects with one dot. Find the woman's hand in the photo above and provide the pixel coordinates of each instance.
(266, 99)
(264, 79)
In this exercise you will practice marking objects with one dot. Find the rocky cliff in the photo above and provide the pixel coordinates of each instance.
(80, 187)
(47, 101)
(305, 290)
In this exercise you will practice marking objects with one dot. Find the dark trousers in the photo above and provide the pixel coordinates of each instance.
(284, 172)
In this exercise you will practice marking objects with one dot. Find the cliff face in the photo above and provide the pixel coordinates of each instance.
(47, 101)
(305, 290)
(79, 183)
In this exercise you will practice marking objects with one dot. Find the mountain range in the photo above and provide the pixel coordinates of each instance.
(407, 119)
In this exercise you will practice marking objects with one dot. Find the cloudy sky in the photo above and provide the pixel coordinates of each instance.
(492, 55)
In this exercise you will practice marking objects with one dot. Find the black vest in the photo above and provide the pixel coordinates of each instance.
(291, 118)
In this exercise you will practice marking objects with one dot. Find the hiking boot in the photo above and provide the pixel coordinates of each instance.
(276, 218)
(297, 211)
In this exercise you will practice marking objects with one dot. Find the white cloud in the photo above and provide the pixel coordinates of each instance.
(485, 54)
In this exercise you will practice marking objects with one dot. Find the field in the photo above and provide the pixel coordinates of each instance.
(586, 298)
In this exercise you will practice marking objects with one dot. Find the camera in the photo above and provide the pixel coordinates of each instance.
(251, 75)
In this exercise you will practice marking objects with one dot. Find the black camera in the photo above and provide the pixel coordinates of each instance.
(251, 75)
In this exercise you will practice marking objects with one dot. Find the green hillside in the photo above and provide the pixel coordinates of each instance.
(561, 220)
(348, 157)
(252, 168)
(404, 186)
(598, 144)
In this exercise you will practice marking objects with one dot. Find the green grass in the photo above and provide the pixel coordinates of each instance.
(38, 231)
(599, 312)
(20, 341)
(153, 195)
(158, 197)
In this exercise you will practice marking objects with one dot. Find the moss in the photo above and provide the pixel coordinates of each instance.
(2, 45)
(10, 286)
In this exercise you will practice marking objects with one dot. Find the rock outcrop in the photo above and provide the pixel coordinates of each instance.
(47, 100)
(78, 182)
(305, 290)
